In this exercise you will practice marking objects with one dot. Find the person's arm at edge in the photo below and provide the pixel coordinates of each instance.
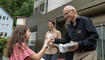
(40, 54)
(64, 40)
(58, 36)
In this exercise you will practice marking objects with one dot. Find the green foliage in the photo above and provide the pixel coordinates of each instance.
(18, 7)
(4, 52)
(25, 9)
(3, 42)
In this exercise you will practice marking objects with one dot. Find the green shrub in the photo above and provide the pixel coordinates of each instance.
(3, 41)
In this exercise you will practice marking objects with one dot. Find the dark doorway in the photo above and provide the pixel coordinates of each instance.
(60, 25)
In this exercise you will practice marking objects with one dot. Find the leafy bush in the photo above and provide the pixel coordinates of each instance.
(3, 41)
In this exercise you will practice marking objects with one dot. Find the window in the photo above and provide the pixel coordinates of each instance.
(5, 34)
(3, 25)
(6, 26)
(4, 17)
(42, 7)
(32, 40)
(36, 9)
(0, 16)
(7, 18)
(1, 33)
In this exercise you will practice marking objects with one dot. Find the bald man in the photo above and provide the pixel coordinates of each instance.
(82, 32)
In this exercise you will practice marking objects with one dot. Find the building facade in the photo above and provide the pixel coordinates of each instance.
(6, 23)
(45, 10)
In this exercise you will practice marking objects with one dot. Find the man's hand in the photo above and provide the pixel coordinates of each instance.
(73, 48)
(51, 44)
(51, 41)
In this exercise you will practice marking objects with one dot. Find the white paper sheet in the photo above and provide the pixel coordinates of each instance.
(64, 47)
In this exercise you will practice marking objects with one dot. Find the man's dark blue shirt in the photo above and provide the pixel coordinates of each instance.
(83, 32)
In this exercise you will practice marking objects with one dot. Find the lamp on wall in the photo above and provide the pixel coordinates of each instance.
(21, 20)
(33, 28)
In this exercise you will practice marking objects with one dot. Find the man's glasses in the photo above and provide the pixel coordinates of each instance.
(67, 12)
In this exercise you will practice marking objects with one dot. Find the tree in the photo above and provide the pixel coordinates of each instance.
(18, 7)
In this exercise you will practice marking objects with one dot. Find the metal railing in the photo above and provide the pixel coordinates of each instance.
(102, 38)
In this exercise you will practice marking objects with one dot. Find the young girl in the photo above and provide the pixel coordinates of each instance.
(17, 48)
(51, 51)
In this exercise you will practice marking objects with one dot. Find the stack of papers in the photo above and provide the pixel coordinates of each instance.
(64, 47)
(42, 59)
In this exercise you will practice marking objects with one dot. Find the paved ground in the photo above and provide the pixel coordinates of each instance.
(5, 58)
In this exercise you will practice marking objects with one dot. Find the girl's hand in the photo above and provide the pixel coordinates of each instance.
(46, 41)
